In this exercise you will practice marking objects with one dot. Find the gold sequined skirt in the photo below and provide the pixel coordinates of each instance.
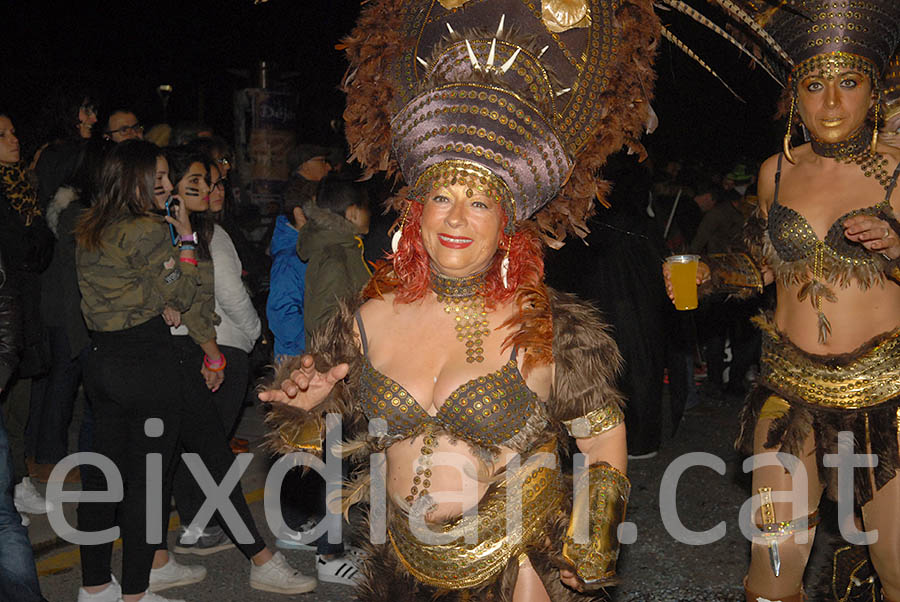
(493, 537)
(864, 378)
(804, 395)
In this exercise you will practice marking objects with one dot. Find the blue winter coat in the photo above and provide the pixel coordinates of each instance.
(284, 309)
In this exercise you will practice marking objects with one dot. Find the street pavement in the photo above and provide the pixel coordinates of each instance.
(655, 568)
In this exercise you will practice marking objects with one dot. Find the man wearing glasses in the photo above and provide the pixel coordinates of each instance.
(123, 125)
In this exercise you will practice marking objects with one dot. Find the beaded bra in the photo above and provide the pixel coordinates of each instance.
(489, 411)
(799, 258)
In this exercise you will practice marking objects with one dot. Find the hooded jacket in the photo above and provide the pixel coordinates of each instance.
(284, 308)
(335, 267)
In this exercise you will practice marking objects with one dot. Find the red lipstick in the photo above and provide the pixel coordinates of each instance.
(454, 242)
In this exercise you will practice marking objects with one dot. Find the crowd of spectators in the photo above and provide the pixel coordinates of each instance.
(226, 278)
(102, 300)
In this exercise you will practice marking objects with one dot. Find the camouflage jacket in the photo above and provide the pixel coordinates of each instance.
(201, 319)
(133, 275)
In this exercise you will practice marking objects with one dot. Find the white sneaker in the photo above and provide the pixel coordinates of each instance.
(343, 570)
(291, 541)
(113, 593)
(27, 498)
(278, 577)
(174, 575)
(151, 597)
(206, 541)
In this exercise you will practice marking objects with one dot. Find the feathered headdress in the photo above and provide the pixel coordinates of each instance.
(523, 99)
(822, 35)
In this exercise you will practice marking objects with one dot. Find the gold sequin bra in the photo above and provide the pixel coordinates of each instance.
(488, 410)
(800, 258)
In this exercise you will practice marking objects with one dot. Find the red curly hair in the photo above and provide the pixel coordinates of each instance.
(407, 273)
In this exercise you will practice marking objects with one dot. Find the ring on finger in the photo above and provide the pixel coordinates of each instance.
(887, 232)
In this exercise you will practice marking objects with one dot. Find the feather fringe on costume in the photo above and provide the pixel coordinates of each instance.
(875, 429)
(551, 327)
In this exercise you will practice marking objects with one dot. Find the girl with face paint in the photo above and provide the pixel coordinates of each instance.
(208, 403)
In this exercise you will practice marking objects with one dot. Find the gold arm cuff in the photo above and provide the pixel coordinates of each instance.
(595, 422)
(733, 273)
(304, 436)
(603, 503)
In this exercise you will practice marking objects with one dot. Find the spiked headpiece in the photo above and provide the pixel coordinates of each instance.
(824, 35)
(519, 99)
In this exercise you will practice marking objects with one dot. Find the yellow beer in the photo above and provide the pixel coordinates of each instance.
(684, 280)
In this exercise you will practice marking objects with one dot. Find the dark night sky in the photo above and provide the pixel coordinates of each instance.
(126, 49)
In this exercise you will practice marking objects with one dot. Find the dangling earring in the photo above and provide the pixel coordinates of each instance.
(787, 135)
(398, 234)
(504, 266)
(875, 131)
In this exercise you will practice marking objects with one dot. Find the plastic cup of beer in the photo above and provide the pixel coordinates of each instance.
(683, 270)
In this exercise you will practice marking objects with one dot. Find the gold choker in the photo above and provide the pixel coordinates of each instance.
(856, 144)
(856, 149)
(463, 298)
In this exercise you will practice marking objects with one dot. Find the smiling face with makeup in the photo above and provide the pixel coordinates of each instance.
(192, 189)
(461, 233)
(833, 108)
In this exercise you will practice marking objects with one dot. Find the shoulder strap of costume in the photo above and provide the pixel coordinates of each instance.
(778, 178)
(893, 184)
(362, 334)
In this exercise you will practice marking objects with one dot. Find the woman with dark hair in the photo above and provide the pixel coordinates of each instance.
(129, 272)
(826, 234)
(459, 372)
(240, 326)
(27, 246)
(68, 120)
(202, 409)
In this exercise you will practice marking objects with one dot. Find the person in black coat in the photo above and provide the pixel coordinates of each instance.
(18, 577)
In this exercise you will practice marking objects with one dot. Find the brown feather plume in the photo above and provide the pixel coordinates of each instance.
(624, 101)
(371, 47)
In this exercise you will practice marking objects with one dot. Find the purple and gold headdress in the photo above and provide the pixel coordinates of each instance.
(824, 35)
(520, 99)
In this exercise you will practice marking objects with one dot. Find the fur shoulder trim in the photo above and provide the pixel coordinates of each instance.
(587, 360)
(62, 199)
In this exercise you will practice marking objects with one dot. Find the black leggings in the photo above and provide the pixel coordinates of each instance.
(131, 376)
(203, 434)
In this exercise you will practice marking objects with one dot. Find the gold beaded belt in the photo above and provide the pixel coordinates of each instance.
(851, 381)
(460, 565)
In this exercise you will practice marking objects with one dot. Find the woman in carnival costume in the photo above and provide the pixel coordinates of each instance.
(825, 233)
(459, 364)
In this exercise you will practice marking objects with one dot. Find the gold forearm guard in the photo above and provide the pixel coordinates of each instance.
(603, 505)
(302, 436)
(734, 274)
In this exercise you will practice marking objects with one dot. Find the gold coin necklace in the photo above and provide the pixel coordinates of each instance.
(463, 299)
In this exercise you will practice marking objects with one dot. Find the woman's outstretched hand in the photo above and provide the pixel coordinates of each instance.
(307, 387)
(702, 277)
(875, 234)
